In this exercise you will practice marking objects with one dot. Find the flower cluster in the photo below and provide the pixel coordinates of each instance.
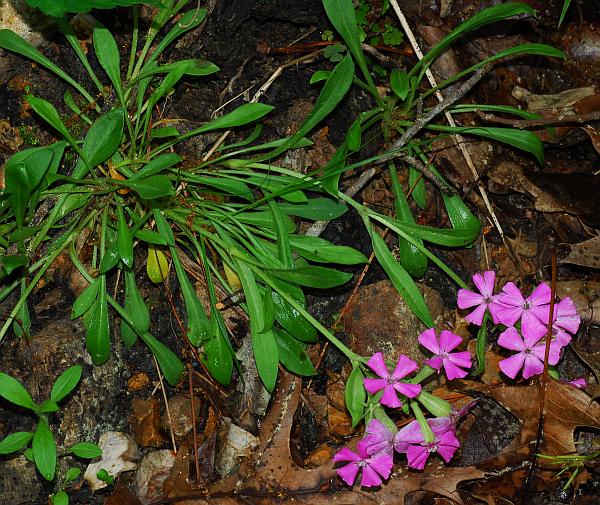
(526, 320)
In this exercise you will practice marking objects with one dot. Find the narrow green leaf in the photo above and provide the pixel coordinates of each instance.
(44, 450)
(290, 319)
(323, 251)
(292, 354)
(163, 227)
(198, 330)
(110, 259)
(46, 407)
(124, 240)
(480, 345)
(8, 264)
(86, 450)
(15, 442)
(320, 75)
(170, 365)
(57, 8)
(136, 308)
(65, 383)
(355, 394)
(22, 322)
(353, 137)
(563, 13)
(85, 300)
(71, 474)
(108, 56)
(400, 83)
(193, 67)
(311, 276)
(266, 355)
(400, 278)
(49, 114)
(323, 209)
(150, 237)
(13, 391)
(218, 360)
(150, 188)
(417, 186)
(97, 340)
(254, 300)
(60, 498)
(156, 166)
(18, 188)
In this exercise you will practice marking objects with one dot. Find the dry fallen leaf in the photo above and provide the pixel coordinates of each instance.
(586, 253)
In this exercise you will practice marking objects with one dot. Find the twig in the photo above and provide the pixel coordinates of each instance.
(193, 418)
(528, 123)
(457, 139)
(164, 393)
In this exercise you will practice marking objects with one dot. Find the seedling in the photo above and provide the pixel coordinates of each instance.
(42, 450)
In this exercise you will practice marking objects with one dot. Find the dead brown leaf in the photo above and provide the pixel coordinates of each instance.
(122, 495)
(586, 253)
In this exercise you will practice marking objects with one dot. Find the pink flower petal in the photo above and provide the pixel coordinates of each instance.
(485, 282)
(511, 365)
(345, 454)
(466, 299)
(461, 359)
(561, 337)
(417, 456)
(404, 366)
(435, 362)
(378, 438)
(374, 385)
(369, 477)
(447, 445)
(494, 307)
(449, 341)
(453, 372)
(476, 317)
(377, 364)
(541, 295)
(509, 315)
(382, 463)
(533, 331)
(510, 339)
(410, 390)
(428, 340)
(410, 434)
(390, 398)
(580, 383)
(348, 473)
(532, 366)
(511, 295)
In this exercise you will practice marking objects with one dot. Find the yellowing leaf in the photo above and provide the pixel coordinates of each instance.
(232, 278)
(157, 265)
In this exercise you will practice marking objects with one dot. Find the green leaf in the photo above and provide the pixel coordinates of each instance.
(44, 450)
(156, 166)
(136, 308)
(170, 365)
(193, 67)
(71, 474)
(324, 209)
(164, 132)
(163, 227)
(400, 278)
(333, 170)
(333, 91)
(228, 185)
(254, 300)
(353, 137)
(110, 259)
(400, 83)
(218, 360)
(108, 56)
(49, 114)
(188, 21)
(482, 18)
(13, 391)
(438, 407)
(150, 237)
(266, 355)
(480, 345)
(86, 450)
(442, 236)
(355, 394)
(65, 383)
(8, 264)
(97, 339)
(460, 215)
(290, 319)
(15, 442)
(58, 8)
(101, 141)
(46, 407)
(150, 188)
(124, 240)
(323, 251)
(198, 330)
(311, 276)
(292, 354)
(320, 75)
(12, 42)
(60, 498)
(417, 185)
(85, 300)
(264, 219)
(22, 322)
(563, 13)
(18, 188)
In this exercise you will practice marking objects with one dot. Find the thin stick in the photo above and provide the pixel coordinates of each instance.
(164, 393)
(193, 417)
(457, 138)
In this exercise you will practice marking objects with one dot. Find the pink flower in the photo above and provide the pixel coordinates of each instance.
(391, 383)
(513, 306)
(410, 440)
(375, 468)
(453, 362)
(565, 319)
(379, 438)
(531, 354)
(580, 383)
(483, 300)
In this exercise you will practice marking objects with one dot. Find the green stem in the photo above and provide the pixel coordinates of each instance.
(425, 428)
(134, 42)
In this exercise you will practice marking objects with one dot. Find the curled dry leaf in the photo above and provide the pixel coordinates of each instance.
(586, 253)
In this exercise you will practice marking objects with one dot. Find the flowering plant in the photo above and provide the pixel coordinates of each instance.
(525, 321)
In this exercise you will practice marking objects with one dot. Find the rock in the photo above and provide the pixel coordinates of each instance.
(119, 454)
(380, 320)
(145, 422)
(180, 409)
(238, 444)
(151, 475)
(25, 21)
